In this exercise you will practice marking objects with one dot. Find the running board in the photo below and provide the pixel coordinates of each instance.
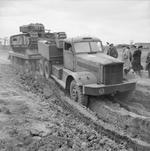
(60, 82)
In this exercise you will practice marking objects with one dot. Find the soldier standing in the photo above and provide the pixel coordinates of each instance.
(148, 64)
(126, 58)
(112, 51)
(132, 49)
(136, 62)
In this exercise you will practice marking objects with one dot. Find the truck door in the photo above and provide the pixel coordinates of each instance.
(68, 56)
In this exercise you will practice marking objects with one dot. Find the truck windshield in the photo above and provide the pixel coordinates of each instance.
(88, 47)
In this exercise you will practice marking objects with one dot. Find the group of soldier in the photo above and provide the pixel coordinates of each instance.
(131, 56)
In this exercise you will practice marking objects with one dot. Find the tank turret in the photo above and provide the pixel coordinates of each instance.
(37, 27)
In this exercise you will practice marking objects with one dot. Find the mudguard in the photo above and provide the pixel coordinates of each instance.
(82, 78)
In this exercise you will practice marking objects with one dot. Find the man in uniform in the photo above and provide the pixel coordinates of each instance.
(148, 64)
(112, 51)
(126, 58)
(136, 62)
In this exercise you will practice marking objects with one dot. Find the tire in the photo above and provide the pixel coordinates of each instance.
(14, 61)
(77, 95)
(27, 67)
(46, 69)
(11, 59)
(41, 68)
(33, 66)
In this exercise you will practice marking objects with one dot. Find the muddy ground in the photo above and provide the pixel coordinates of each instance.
(33, 119)
(132, 115)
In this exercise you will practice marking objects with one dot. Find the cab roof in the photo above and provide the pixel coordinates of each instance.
(81, 39)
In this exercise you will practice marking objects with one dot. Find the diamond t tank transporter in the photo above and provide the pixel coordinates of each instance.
(79, 65)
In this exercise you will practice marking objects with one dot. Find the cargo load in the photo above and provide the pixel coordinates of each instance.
(32, 28)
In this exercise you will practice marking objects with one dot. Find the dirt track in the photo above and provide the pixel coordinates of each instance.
(31, 122)
(132, 116)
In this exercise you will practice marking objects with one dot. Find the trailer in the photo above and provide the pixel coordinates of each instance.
(24, 46)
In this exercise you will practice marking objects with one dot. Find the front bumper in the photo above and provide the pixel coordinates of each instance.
(100, 89)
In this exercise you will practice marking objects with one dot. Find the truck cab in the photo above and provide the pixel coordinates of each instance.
(76, 47)
(83, 69)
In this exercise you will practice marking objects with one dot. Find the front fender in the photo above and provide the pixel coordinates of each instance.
(83, 78)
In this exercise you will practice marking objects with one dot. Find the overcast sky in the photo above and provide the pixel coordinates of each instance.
(116, 21)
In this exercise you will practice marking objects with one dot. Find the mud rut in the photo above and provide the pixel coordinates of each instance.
(122, 127)
(114, 121)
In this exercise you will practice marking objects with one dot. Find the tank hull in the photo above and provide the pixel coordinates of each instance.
(25, 62)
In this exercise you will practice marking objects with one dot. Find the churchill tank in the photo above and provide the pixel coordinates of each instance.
(24, 46)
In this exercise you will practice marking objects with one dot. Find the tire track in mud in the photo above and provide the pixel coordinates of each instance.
(91, 118)
(97, 121)
(134, 125)
(84, 114)
(46, 94)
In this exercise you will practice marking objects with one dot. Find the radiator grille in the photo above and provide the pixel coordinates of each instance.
(112, 74)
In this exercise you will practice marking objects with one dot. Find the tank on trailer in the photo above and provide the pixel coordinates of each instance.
(24, 46)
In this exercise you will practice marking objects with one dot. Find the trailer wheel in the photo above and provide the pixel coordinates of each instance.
(41, 70)
(46, 69)
(77, 95)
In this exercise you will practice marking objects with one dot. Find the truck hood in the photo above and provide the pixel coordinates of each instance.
(97, 59)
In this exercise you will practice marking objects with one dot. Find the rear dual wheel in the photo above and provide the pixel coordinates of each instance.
(27, 66)
(41, 68)
(11, 58)
(44, 68)
(77, 95)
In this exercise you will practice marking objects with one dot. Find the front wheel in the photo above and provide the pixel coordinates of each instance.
(77, 95)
